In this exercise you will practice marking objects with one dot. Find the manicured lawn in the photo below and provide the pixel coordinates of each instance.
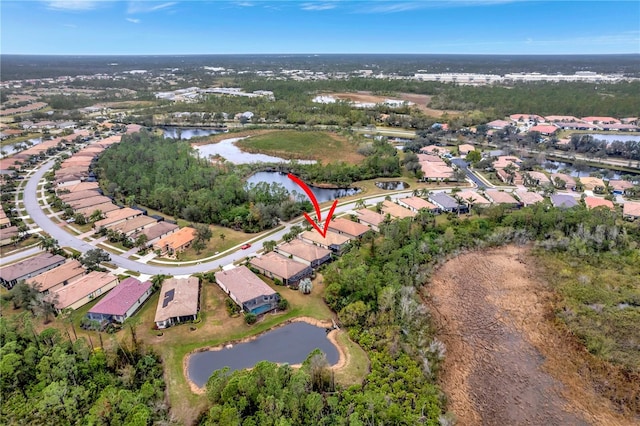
(319, 146)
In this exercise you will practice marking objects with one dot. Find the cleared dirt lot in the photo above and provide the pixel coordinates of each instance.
(506, 363)
(420, 101)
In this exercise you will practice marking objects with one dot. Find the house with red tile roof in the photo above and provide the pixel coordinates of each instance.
(593, 202)
(121, 302)
(276, 266)
(546, 130)
(247, 290)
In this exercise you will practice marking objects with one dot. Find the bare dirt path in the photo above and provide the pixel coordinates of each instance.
(506, 363)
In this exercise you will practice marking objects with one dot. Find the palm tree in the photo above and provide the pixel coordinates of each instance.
(470, 202)
(48, 243)
(96, 215)
(360, 204)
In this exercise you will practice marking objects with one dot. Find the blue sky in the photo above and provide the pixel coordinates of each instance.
(99, 27)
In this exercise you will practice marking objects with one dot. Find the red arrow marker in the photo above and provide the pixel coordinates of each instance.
(316, 206)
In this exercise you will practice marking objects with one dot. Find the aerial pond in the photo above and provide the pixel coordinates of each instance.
(289, 344)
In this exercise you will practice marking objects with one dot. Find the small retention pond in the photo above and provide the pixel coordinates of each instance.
(188, 133)
(394, 185)
(289, 344)
(321, 194)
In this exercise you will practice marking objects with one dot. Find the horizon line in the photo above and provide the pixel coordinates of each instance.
(316, 54)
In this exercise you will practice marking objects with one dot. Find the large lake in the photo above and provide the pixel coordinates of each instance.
(289, 344)
(321, 194)
(229, 151)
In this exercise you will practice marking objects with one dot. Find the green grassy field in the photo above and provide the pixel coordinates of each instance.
(319, 146)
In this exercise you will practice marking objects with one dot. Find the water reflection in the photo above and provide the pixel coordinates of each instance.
(321, 194)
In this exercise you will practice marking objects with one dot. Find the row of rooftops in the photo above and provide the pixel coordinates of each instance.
(550, 124)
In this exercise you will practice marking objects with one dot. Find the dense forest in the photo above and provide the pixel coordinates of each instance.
(376, 289)
(167, 175)
(46, 378)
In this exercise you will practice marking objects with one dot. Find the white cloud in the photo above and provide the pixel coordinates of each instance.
(148, 6)
(318, 6)
(245, 4)
(133, 20)
(72, 4)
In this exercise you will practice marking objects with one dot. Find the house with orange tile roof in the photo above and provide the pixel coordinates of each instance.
(58, 277)
(631, 210)
(503, 161)
(348, 227)
(77, 187)
(465, 148)
(593, 202)
(276, 266)
(533, 178)
(177, 242)
(472, 197)
(83, 290)
(500, 197)
(562, 181)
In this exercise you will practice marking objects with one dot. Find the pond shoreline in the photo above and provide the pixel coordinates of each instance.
(331, 336)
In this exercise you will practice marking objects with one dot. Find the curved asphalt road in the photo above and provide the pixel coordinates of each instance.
(66, 239)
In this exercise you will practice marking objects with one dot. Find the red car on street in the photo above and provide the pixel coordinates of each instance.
(245, 246)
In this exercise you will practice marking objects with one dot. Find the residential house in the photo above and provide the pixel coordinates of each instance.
(527, 118)
(121, 302)
(4, 220)
(563, 201)
(528, 198)
(631, 210)
(309, 254)
(348, 227)
(514, 178)
(332, 241)
(83, 290)
(396, 211)
(473, 198)
(104, 208)
(79, 195)
(156, 232)
(117, 216)
(503, 161)
(370, 218)
(498, 124)
(176, 242)
(131, 226)
(447, 203)
(82, 186)
(620, 186)
(500, 197)
(89, 202)
(28, 268)
(561, 119)
(416, 204)
(434, 168)
(58, 277)
(562, 181)
(179, 301)
(9, 235)
(593, 202)
(435, 150)
(533, 178)
(546, 130)
(276, 266)
(600, 120)
(465, 149)
(593, 184)
(247, 290)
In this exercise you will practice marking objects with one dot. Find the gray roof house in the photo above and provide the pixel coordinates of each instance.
(446, 202)
(563, 201)
(11, 274)
(247, 290)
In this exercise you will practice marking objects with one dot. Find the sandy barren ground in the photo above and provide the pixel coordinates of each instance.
(420, 101)
(506, 363)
